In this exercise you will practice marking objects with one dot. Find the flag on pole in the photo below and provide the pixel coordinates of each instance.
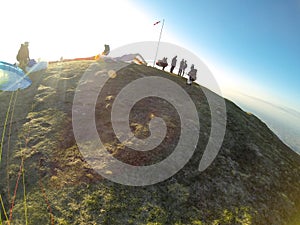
(156, 23)
(163, 22)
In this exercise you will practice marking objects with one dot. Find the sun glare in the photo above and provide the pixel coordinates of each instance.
(79, 29)
(74, 29)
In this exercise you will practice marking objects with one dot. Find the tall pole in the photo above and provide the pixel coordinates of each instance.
(158, 41)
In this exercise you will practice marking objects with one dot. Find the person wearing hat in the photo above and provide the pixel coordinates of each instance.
(23, 56)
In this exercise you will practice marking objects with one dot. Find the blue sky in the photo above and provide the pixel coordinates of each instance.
(257, 41)
(250, 46)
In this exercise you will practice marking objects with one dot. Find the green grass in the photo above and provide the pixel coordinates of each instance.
(58, 187)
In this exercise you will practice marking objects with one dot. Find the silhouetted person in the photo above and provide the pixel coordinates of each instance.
(192, 75)
(184, 67)
(181, 67)
(165, 63)
(192, 66)
(173, 64)
(23, 56)
(106, 50)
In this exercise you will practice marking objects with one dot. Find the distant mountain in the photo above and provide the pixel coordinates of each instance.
(283, 121)
(255, 178)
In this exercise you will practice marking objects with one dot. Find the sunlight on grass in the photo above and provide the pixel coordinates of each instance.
(238, 216)
(3, 78)
(57, 186)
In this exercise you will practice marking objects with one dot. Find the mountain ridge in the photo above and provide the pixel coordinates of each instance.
(255, 178)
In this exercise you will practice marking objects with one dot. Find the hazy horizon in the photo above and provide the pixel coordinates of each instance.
(284, 122)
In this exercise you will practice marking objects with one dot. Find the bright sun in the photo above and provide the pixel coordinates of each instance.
(78, 29)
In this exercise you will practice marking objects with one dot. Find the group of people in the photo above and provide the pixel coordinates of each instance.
(192, 74)
(23, 59)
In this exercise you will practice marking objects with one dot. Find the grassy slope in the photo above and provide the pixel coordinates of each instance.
(254, 180)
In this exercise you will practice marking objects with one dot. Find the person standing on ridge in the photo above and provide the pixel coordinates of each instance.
(181, 67)
(192, 75)
(106, 50)
(165, 63)
(192, 66)
(23, 56)
(184, 67)
(173, 64)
